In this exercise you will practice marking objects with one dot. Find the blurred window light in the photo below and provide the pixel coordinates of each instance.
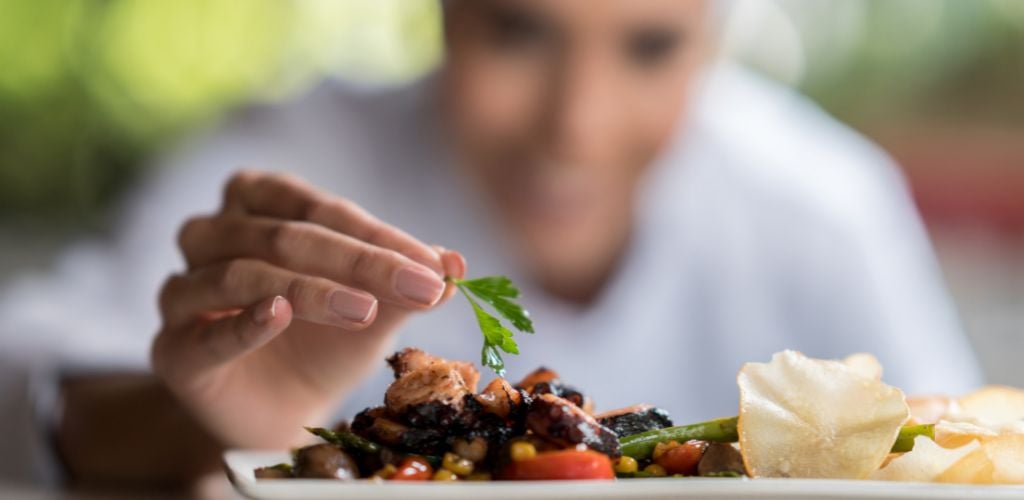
(91, 88)
(174, 62)
(876, 60)
(1011, 10)
(34, 39)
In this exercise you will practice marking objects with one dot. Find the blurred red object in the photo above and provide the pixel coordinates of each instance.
(964, 176)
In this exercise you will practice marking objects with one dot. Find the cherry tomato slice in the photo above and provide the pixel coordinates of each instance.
(562, 464)
(413, 469)
(683, 459)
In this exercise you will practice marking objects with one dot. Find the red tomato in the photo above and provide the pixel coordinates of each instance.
(683, 459)
(562, 464)
(413, 469)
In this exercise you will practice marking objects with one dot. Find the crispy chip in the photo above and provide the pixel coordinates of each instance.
(801, 417)
(994, 403)
(864, 364)
(999, 460)
(924, 463)
(1006, 453)
(956, 434)
(929, 409)
(973, 468)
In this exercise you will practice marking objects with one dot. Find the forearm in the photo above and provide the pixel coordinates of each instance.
(128, 429)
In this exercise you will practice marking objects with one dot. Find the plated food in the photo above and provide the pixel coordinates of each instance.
(799, 417)
(435, 424)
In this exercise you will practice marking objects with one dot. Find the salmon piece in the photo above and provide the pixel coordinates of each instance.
(434, 383)
(411, 359)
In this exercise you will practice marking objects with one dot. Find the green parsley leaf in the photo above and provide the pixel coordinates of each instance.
(498, 292)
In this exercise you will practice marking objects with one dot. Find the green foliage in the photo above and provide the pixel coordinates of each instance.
(498, 291)
(89, 90)
(918, 61)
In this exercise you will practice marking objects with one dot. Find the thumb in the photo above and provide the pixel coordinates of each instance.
(188, 353)
(454, 267)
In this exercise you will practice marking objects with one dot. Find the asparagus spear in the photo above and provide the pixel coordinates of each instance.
(345, 439)
(642, 445)
(724, 430)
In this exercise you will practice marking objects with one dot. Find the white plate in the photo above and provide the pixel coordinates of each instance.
(240, 465)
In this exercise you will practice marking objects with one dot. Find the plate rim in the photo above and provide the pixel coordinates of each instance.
(245, 483)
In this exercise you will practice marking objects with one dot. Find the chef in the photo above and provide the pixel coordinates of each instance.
(667, 215)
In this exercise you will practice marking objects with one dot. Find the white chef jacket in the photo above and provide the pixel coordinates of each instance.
(766, 225)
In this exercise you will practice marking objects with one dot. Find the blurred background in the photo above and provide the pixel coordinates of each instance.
(91, 90)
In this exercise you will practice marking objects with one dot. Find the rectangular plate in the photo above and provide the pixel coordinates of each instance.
(240, 465)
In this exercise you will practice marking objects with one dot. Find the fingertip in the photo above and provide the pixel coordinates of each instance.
(437, 261)
(282, 309)
(454, 264)
(273, 313)
(449, 290)
(371, 316)
(270, 317)
(227, 338)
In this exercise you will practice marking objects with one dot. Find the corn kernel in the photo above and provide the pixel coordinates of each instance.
(522, 450)
(386, 472)
(479, 476)
(457, 464)
(626, 465)
(656, 470)
(443, 474)
(661, 448)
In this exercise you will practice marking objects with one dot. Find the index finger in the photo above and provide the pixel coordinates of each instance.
(285, 196)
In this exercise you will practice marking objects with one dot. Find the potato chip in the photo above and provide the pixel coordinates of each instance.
(998, 460)
(1006, 453)
(973, 468)
(925, 462)
(956, 434)
(801, 417)
(864, 364)
(929, 409)
(994, 403)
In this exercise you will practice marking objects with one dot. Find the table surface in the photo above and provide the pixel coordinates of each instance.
(213, 488)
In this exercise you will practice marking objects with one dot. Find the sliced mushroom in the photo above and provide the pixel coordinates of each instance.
(721, 459)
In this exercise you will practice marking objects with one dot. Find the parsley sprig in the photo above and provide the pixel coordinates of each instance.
(499, 292)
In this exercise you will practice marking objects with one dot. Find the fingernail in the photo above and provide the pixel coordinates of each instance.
(419, 285)
(266, 312)
(352, 305)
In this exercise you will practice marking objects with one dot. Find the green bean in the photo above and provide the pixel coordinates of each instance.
(346, 440)
(642, 445)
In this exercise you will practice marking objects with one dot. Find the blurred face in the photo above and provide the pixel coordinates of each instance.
(557, 107)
